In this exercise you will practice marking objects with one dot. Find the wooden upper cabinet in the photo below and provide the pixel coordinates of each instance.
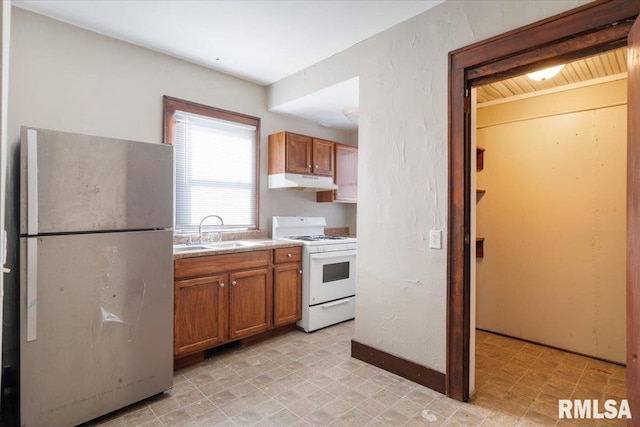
(346, 176)
(298, 153)
(322, 157)
(346, 173)
(294, 153)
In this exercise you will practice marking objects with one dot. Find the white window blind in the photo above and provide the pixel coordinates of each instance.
(215, 171)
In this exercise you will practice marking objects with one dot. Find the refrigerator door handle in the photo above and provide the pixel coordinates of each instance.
(32, 288)
(32, 181)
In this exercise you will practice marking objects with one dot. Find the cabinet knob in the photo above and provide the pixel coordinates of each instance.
(288, 255)
(300, 271)
(222, 285)
(233, 283)
(308, 166)
(316, 166)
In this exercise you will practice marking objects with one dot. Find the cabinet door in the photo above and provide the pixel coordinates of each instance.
(322, 157)
(287, 293)
(346, 173)
(298, 153)
(199, 314)
(250, 303)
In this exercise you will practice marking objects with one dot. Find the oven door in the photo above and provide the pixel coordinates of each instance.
(332, 275)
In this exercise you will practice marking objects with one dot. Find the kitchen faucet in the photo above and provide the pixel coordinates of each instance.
(200, 227)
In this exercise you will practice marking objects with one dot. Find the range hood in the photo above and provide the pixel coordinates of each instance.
(301, 182)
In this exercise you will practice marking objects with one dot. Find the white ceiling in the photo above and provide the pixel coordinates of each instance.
(326, 107)
(259, 41)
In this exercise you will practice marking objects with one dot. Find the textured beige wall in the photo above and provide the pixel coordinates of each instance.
(402, 174)
(553, 218)
(67, 78)
(112, 88)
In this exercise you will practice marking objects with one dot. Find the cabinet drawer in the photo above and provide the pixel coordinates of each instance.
(287, 255)
(210, 265)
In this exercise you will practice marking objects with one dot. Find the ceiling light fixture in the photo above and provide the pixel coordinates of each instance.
(352, 114)
(545, 74)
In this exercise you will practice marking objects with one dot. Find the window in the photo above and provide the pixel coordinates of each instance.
(217, 162)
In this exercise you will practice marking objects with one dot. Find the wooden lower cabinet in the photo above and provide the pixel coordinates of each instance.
(199, 316)
(287, 294)
(234, 296)
(250, 303)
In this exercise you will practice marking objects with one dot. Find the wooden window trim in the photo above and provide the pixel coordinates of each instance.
(171, 105)
(596, 27)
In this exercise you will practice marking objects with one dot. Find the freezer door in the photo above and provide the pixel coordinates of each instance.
(96, 324)
(77, 183)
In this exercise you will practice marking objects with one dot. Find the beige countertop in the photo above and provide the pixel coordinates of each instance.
(261, 245)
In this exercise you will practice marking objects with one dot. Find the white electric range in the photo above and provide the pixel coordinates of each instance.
(328, 271)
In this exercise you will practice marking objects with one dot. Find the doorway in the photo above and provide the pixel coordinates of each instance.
(550, 206)
(588, 30)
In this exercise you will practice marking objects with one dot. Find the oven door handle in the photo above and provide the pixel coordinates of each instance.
(329, 255)
(334, 303)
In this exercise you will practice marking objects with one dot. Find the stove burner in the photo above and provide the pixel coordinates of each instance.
(316, 238)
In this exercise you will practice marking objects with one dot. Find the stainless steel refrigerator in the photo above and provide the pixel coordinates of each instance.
(96, 275)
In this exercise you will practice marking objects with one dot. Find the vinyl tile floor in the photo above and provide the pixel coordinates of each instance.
(301, 379)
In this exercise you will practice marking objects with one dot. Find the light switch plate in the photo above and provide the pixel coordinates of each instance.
(435, 239)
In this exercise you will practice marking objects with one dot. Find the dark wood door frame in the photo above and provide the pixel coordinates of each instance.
(587, 30)
(633, 222)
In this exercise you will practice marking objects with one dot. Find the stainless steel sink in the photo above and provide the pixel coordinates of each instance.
(188, 248)
(213, 246)
(233, 244)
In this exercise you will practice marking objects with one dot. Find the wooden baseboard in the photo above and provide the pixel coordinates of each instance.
(410, 370)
